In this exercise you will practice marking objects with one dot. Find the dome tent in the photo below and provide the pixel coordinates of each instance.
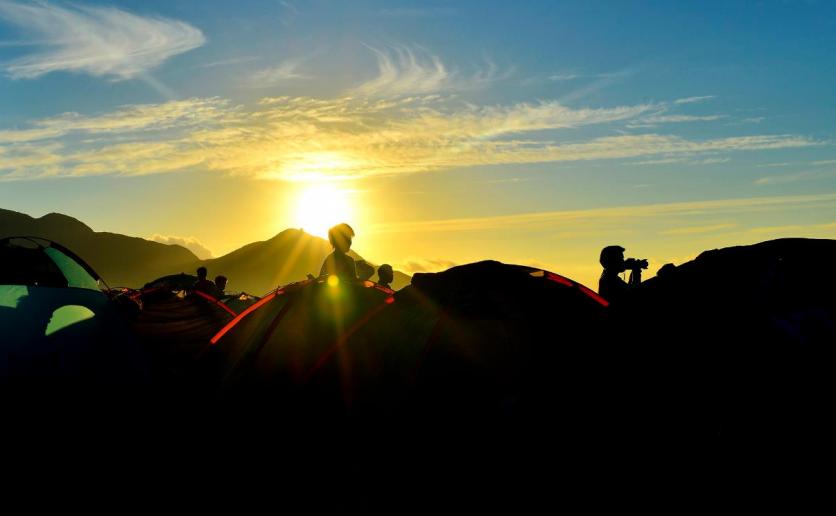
(48, 288)
(57, 321)
(479, 333)
(276, 345)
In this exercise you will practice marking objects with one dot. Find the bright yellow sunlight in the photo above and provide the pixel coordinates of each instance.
(319, 206)
(319, 166)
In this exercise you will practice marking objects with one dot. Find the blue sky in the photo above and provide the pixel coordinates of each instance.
(425, 112)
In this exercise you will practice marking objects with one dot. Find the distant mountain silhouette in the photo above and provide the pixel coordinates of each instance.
(130, 261)
(121, 260)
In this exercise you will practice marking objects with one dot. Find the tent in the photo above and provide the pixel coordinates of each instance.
(484, 336)
(286, 337)
(57, 321)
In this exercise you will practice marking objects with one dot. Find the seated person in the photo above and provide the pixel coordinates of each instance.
(220, 286)
(202, 284)
(385, 275)
(339, 263)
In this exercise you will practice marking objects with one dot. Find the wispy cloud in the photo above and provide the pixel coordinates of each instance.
(809, 175)
(801, 163)
(283, 72)
(510, 180)
(406, 71)
(302, 138)
(683, 160)
(417, 12)
(228, 62)
(599, 82)
(566, 76)
(672, 119)
(693, 100)
(697, 230)
(289, 12)
(823, 230)
(191, 243)
(555, 220)
(101, 41)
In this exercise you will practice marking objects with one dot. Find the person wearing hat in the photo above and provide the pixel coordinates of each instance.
(611, 287)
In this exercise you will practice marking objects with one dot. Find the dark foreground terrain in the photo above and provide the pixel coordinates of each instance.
(486, 386)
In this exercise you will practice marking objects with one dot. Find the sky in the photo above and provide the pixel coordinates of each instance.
(444, 132)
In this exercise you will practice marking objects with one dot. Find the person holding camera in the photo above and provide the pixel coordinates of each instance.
(611, 287)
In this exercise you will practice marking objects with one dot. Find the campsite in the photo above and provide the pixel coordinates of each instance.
(417, 256)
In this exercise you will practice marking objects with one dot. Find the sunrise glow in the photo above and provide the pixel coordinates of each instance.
(533, 134)
(319, 206)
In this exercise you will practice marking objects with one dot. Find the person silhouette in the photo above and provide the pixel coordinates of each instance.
(338, 262)
(611, 287)
(220, 286)
(202, 284)
(385, 275)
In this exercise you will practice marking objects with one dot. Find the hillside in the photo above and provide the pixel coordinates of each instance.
(121, 260)
(130, 261)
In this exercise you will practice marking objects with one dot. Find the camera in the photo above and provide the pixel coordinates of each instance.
(634, 263)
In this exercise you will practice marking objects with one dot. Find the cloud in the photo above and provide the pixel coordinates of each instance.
(564, 77)
(303, 138)
(417, 12)
(826, 230)
(191, 243)
(100, 41)
(696, 230)
(228, 62)
(510, 180)
(560, 77)
(404, 71)
(682, 160)
(668, 119)
(692, 100)
(580, 220)
(809, 175)
(281, 73)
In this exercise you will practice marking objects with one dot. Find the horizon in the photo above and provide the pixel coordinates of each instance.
(444, 132)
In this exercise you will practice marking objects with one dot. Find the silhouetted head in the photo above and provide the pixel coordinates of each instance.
(340, 237)
(201, 273)
(220, 282)
(385, 274)
(612, 257)
(666, 270)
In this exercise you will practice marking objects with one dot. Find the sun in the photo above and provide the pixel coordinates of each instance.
(320, 206)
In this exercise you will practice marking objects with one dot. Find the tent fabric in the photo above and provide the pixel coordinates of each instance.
(286, 336)
(57, 326)
(41, 262)
(179, 323)
(469, 337)
(180, 281)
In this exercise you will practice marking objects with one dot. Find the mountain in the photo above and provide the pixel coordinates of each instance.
(130, 261)
(289, 256)
(121, 260)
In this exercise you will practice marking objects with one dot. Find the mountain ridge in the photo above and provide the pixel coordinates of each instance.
(130, 261)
